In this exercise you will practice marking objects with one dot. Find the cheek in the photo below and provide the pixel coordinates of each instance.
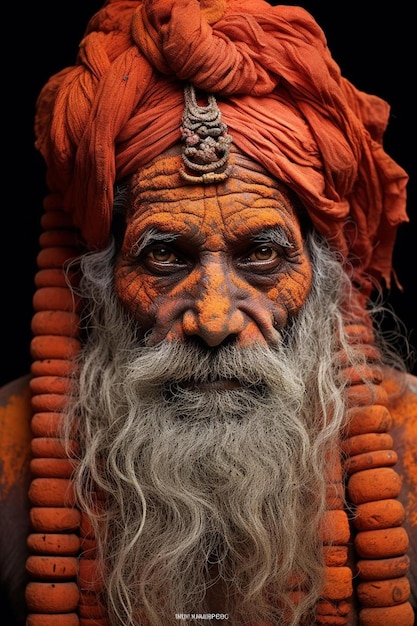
(152, 301)
(292, 288)
(137, 293)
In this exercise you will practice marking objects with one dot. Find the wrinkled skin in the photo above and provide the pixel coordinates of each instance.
(216, 263)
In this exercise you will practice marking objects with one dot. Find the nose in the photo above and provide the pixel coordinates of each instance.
(214, 315)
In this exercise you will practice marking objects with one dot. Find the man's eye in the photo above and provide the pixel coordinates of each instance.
(161, 254)
(162, 260)
(262, 258)
(262, 253)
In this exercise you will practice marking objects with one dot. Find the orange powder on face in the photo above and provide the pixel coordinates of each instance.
(214, 309)
(215, 228)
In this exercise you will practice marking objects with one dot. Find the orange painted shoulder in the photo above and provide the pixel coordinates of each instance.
(403, 406)
(402, 392)
(15, 434)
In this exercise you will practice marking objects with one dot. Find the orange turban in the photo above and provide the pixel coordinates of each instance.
(281, 95)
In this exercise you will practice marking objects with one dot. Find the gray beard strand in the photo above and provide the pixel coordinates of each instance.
(208, 484)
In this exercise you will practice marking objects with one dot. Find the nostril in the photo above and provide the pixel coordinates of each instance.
(198, 341)
(229, 340)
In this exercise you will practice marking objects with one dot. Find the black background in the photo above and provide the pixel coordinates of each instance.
(374, 46)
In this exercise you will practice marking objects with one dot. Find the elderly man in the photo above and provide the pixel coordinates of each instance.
(213, 430)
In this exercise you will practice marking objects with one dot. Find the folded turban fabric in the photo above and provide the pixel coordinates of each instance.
(281, 95)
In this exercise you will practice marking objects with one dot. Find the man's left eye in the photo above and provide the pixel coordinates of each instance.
(266, 257)
(263, 253)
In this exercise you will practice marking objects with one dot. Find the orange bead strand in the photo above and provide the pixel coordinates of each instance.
(373, 485)
(53, 594)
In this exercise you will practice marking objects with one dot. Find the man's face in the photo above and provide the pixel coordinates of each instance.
(216, 262)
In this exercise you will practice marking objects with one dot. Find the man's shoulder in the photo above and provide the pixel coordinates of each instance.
(15, 407)
(15, 438)
(402, 394)
(15, 434)
(15, 388)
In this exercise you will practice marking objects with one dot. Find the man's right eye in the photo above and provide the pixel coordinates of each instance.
(162, 254)
(162, 258)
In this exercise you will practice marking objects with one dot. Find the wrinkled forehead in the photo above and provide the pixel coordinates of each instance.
(248, 191)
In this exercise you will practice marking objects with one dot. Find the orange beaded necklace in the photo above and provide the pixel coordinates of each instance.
(64, 576)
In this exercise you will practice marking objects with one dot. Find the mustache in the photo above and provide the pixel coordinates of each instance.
(191, 364)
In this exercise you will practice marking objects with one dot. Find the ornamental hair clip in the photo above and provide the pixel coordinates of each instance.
(206, 141)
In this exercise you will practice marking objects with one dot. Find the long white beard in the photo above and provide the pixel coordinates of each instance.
(205, 485)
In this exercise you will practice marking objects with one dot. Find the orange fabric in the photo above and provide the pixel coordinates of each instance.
(281, 95)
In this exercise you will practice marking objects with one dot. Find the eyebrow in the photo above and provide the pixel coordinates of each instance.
(150, 236)
(275, 234)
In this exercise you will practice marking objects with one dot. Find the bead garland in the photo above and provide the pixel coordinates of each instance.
(52, 595)
(333, 606)
(65, 584)
(373, 487)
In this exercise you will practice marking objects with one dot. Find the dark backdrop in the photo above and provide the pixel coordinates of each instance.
(372, 46)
